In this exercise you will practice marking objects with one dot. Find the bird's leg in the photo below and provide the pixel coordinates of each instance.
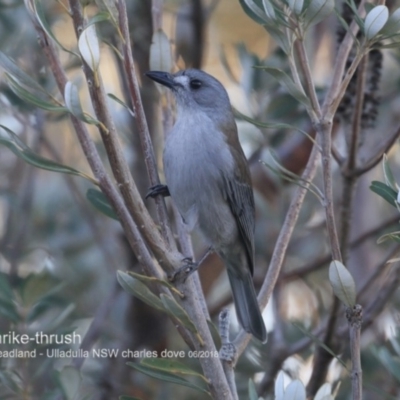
(158, 190)
(189, 267)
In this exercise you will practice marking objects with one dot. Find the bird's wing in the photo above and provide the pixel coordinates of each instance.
(241, 201)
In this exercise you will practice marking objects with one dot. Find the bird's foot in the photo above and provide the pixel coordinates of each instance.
(158, 190)
(188, 267)
(181, 274)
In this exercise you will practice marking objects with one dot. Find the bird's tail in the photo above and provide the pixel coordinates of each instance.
(246, 304)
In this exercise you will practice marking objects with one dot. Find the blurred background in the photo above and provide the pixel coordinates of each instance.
(59, 256)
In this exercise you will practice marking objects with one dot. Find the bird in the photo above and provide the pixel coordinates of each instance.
(208, 179)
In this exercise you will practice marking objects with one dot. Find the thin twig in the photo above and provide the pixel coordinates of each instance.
(132, 233)
(315, 114)
(283, 242)
(354, 317)
(349, 183)
(323, 260)
(377, 156)
(143, 129)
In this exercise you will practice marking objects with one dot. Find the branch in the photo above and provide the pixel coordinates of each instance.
(377, 157)
(282, 242)
(145, 139)
(350, 182)
(132, 233)
(119, 166)
(354, 317)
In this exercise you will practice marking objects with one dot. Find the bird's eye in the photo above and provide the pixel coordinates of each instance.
(195, 84)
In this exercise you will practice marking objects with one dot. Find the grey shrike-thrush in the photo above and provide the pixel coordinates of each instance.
(209, 181)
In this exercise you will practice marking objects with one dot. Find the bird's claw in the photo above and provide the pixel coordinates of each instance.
(158, 190)
(185, 271)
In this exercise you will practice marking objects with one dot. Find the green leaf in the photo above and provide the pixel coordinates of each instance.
(100, 201)
(375, 21)
(385, 191)
(317, 11)
(279, 387)
(73, 103)
(292, 177)
(40, 14)
(388, 174)
(296, 6)
(151, 279)
(214, 334)
(109, 7)
(174, 309)
(392, 26)
(119, 101)
(288, 83)
(252, 390)
(89, 47)
(70, 380)
(280, 37)
(160, 52)
(271, 125)
(32, 98)
(324, 392)
(319, 342)
(342, 283)
(18, 74)
(171, 366)
(389, 236)
(139, 290)
(100, 17)
(295, 391)
(166, 377)
(9, 311)
(391, 363)
(254, 11)
(20, 149)
(269, 9)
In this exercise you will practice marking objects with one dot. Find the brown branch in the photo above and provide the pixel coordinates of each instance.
(377, 157)
(354, 317)
(143, 129)
(282, 242)
(350, 182)
(133, 236)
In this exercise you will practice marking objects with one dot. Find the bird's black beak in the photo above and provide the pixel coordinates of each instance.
(164, 78)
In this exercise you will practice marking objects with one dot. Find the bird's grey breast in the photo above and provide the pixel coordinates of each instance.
(196, 160)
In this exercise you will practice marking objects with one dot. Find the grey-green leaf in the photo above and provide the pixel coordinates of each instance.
(174, 309)
(252, 390)
(166, 376)
(388, 174)
(295, 391)
(385, 191)
(139, 290)
(73, 103)
(375, 21)
(392, 26)
(286, 81)
(120, 102)
(171, 366)
(256, 14)
(12, 69)
(296, 6)
(317, 11)
(342, 283)
(280, 37)
(40, 14)
(100, 201)
(20, 149)
(31, 98)
(70, 381)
